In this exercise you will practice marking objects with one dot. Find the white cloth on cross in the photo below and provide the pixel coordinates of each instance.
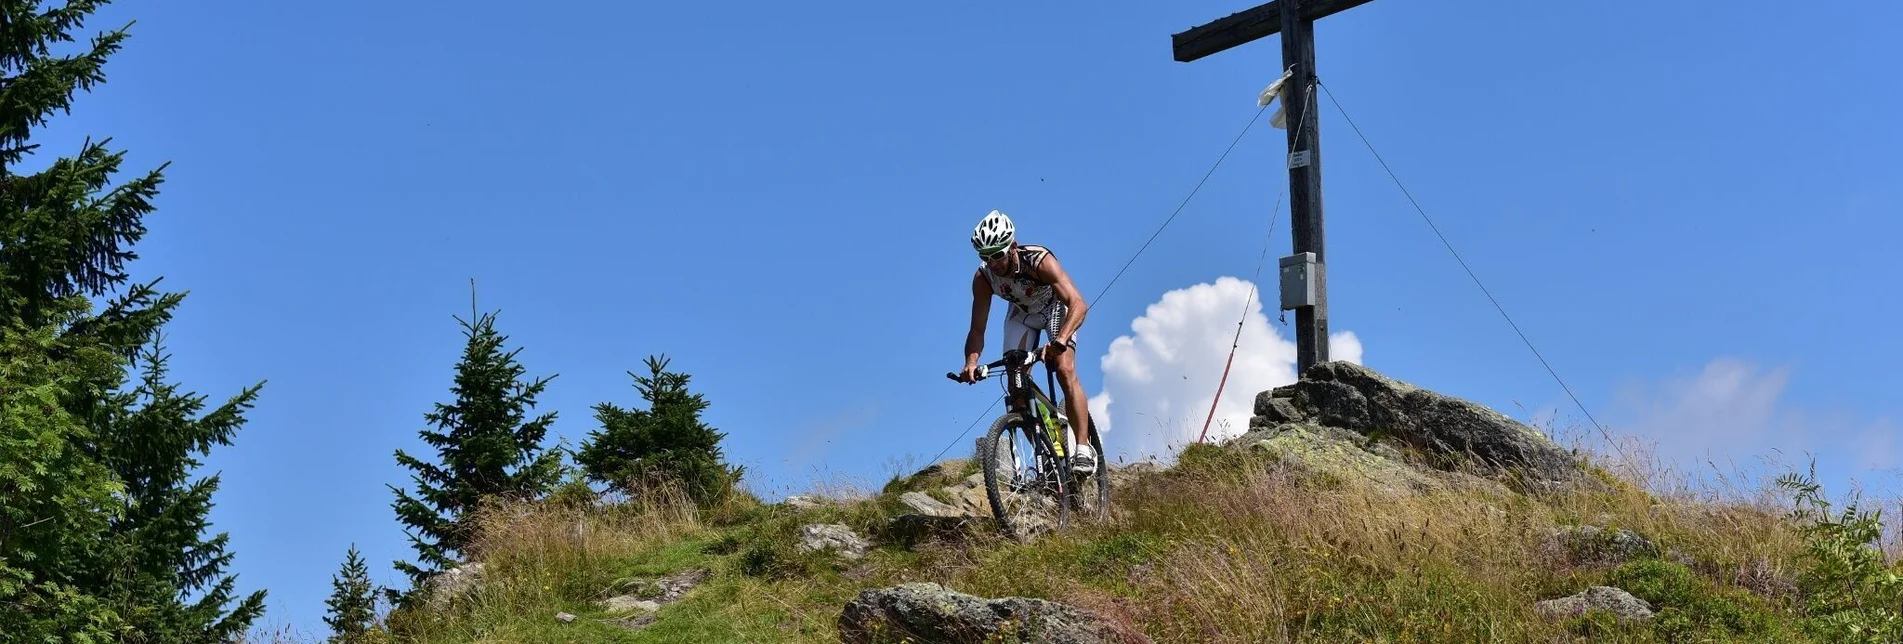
(1278, 120)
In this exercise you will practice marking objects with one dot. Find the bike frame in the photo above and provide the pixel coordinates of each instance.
(1017, 386)
(1023, 396)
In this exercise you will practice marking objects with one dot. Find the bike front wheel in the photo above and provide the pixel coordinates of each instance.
(1023, 480)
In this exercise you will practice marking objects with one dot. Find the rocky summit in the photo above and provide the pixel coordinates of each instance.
(1349, 418)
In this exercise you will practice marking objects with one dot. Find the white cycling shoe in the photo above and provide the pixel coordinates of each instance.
(1083, 459)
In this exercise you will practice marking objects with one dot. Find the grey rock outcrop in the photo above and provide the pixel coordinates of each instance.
(645, 597)
(455, 582)
(835, 537)
(927, 613)
(1593, 544)
(1340, 454)
(924, 504)
(1619, 602)
(804, 501)
(629, 604)
(1353, 405)
(672, 587)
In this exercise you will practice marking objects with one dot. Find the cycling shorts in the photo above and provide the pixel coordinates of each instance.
(1021, 327)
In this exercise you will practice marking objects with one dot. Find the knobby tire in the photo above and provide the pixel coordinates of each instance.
(988, 463)
(1101, 473)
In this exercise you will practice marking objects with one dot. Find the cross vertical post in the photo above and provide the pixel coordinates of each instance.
(1295, 20)
(1305, 182)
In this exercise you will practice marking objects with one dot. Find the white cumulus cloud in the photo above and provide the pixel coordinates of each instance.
(1159, 380)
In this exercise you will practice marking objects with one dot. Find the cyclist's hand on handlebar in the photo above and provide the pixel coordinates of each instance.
(970, 374)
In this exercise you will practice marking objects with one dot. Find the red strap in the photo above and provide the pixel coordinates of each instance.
(1219, 385)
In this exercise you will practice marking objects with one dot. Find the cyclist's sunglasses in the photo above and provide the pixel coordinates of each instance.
(994, 256)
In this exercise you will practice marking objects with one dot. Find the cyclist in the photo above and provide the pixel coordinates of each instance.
(1042, 299)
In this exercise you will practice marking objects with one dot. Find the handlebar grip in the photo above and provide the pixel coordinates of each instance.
(978, 374)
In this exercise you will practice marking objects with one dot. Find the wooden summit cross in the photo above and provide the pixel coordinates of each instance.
(1304, 283)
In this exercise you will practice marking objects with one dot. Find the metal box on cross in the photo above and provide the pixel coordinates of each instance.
(1298, 281)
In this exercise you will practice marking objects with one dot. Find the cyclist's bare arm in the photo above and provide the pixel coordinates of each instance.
(980, 312)
(1050, 272)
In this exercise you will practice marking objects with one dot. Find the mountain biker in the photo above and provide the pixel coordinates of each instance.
(1042, 299)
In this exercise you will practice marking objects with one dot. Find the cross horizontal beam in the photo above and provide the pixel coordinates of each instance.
(1249, 24)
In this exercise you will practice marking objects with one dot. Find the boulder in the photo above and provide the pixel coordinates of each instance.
(1593, 544)
(629, 604)
(803, 501)
(835, 537)
(455, 582)
(1449, 432)
(927, 613)
(923, 503)
(972, 501)
(1619, 602)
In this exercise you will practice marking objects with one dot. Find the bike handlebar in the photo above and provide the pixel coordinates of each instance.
(984, 370)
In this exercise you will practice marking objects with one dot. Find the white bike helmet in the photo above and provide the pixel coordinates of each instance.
(993, 234)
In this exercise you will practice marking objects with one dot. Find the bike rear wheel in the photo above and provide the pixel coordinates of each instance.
(1023, 480)
(1090, 494)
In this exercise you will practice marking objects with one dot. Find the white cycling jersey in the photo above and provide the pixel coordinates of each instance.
(1034, 304)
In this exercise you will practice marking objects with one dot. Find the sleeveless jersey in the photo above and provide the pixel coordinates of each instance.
(1025, 293)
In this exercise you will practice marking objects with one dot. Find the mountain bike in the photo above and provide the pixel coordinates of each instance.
(1025, 492)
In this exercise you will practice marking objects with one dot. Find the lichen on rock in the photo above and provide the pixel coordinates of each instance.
(1326, 451)
(926, 612)
(1347, 419)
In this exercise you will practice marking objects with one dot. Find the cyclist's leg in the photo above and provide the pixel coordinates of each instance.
(1076, 402)
(1017, 335)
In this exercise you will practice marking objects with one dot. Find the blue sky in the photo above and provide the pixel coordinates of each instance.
(1688, 210)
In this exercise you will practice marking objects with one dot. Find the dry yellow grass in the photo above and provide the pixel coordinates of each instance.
(1229, 548)
(540, 558)
(1225, 547)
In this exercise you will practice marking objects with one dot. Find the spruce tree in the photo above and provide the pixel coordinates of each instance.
(488, 448)
(352, 606)
(99, 530)
(668, 440)
(154, 435)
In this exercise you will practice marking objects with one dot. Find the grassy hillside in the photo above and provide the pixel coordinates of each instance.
(1227, 546)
